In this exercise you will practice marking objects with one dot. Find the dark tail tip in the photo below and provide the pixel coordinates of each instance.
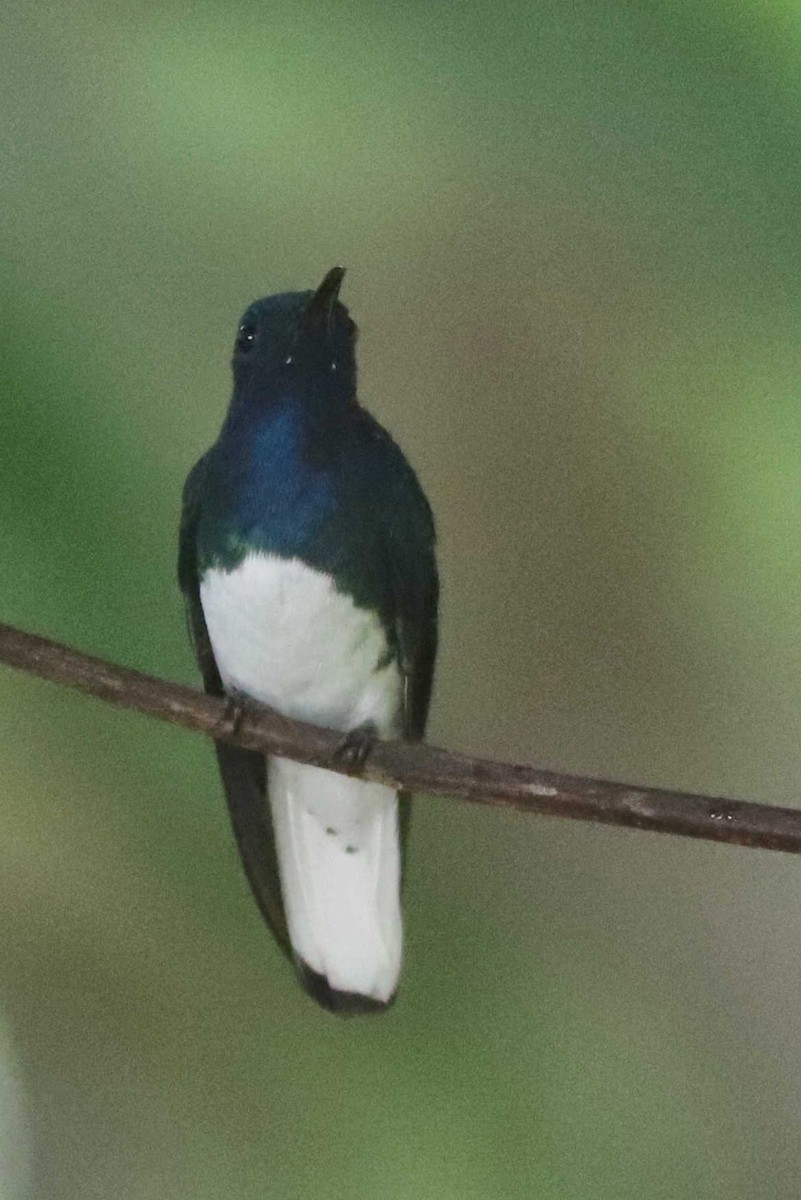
(343, 1004)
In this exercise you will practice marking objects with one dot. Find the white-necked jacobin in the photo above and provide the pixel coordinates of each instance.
(307, 563)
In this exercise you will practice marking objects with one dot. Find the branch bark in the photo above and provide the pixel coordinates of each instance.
(417, 768)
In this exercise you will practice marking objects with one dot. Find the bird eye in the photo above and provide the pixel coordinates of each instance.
(245, 337)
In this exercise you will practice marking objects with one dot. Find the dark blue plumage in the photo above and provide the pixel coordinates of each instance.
(307, 562)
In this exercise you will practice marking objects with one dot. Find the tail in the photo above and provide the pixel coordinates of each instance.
(339, 860)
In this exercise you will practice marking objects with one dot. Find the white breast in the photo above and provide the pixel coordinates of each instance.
(284, 635)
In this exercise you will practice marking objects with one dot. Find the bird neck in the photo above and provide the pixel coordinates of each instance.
(275, 476)
(314, 385)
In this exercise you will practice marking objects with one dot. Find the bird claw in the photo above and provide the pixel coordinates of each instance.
(233, 715)
(354, 748)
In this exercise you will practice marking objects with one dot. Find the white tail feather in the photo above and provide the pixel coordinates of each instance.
(339, 858)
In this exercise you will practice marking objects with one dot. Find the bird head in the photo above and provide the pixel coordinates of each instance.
(297, 334)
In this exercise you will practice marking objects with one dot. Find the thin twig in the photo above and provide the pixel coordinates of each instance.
(417, 768)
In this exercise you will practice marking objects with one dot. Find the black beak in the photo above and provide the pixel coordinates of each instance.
(318, 310)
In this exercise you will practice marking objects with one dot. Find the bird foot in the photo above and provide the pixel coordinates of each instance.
(354, 748)
(233, 714)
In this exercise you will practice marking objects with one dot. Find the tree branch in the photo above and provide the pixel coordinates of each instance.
(417, 768)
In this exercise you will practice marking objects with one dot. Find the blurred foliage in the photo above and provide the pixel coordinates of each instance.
(573, 235)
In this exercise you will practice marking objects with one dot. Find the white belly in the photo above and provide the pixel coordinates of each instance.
(282, 634)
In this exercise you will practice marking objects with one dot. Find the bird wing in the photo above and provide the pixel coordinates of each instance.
(243, 772)
(409, 540)
(417, 638)
(409, 547)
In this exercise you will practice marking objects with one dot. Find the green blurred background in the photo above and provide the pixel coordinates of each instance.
(573, 235)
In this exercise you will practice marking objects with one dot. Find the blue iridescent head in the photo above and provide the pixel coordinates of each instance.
(308, 334)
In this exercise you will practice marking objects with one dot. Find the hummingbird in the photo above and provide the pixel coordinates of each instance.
(307, 564)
